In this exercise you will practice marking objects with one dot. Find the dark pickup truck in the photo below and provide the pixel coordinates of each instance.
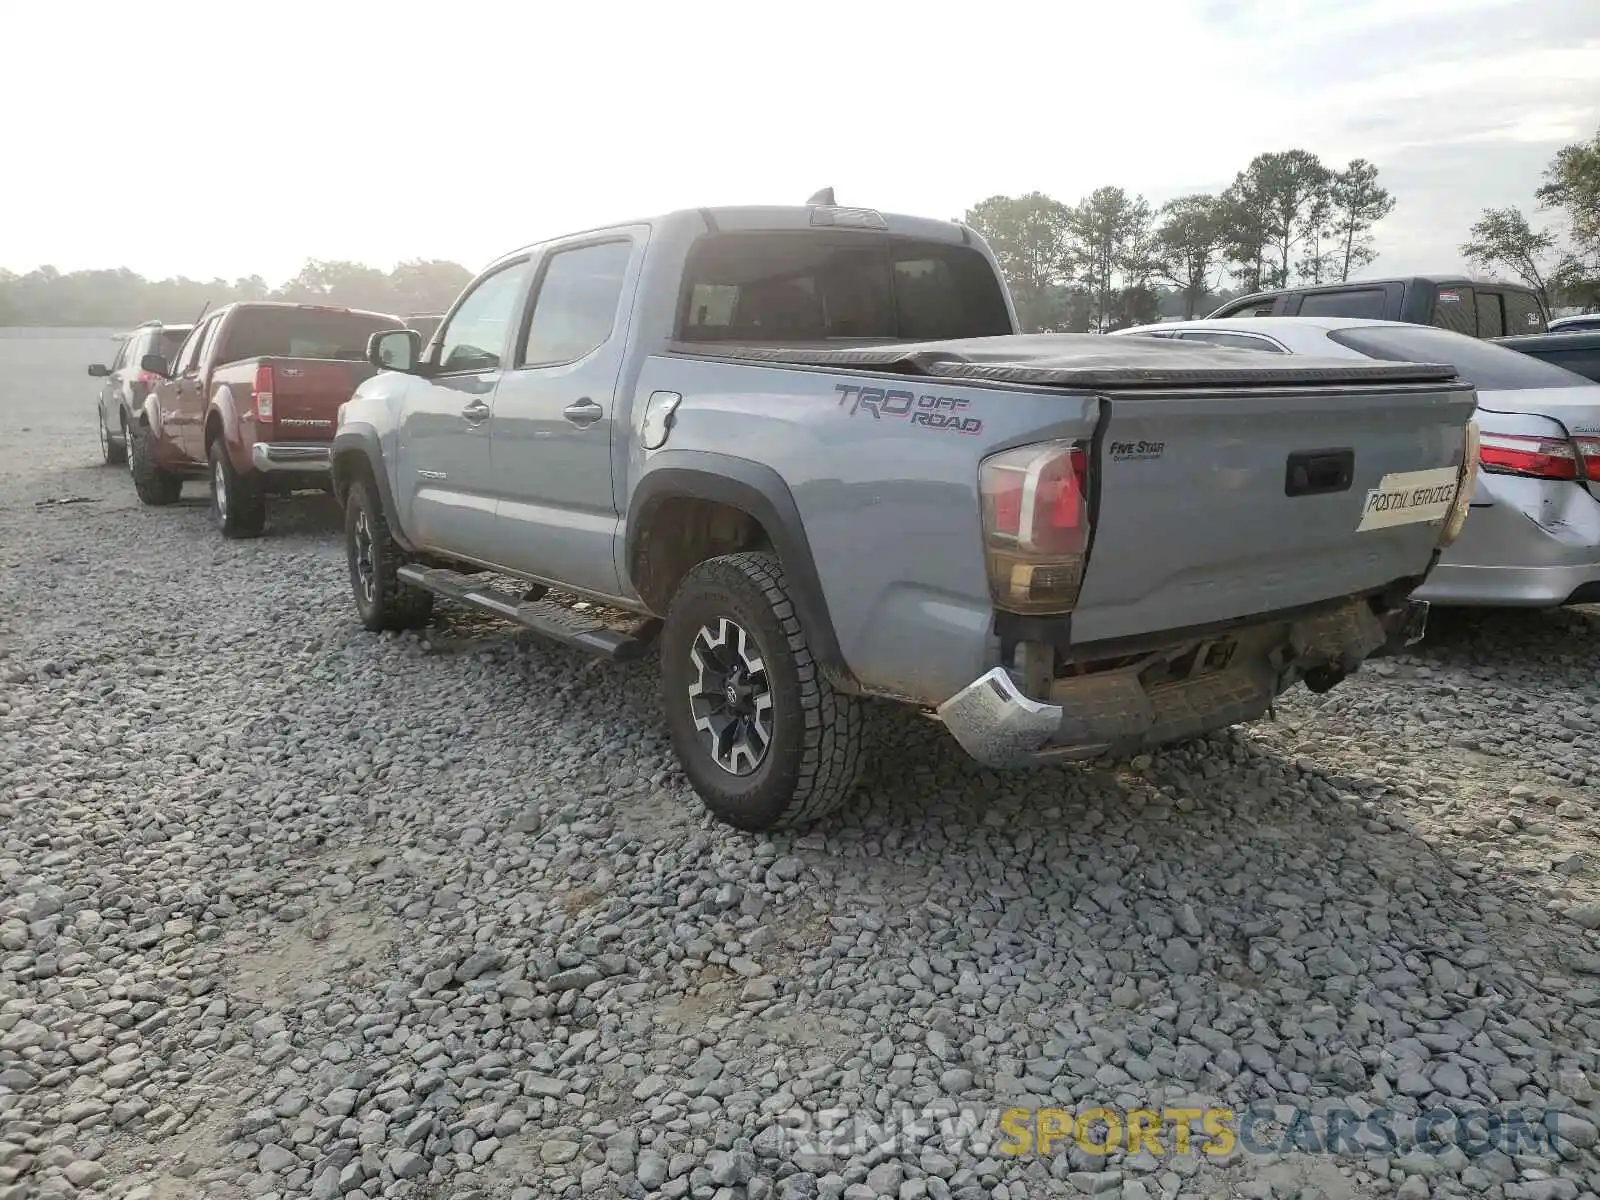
(250, 403)
(1483, 308)
(1577, 351)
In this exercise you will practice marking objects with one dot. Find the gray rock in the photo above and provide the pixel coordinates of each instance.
(406, 1164)
(1180, 956)
(557, 1151)
(276, 1159)
(652, 1170)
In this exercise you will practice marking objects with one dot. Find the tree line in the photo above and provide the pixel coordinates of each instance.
(1559, 260)
(1113, 259)
(121, 297)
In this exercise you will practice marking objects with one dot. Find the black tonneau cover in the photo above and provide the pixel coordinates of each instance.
(1082, 360)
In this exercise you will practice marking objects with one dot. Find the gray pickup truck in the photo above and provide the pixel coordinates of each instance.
(804, 451)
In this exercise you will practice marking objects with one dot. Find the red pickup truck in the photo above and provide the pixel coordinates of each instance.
(250, 402)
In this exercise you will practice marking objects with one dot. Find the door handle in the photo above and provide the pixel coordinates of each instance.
(476, 411)
(1319, 472)
(583, 412)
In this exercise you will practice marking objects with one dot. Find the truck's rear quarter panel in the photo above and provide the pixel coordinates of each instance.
(890, 506)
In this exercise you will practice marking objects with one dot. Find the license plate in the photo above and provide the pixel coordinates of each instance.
(1409, 498)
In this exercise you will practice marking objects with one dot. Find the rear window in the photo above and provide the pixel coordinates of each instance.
(1359, 302)
(1456, 309)
(171, 339)
(1261, 308)
(1237, 341)
(1523, 313)
(1491, 320)
(301, 333)
(782, 286)
(1486, 366)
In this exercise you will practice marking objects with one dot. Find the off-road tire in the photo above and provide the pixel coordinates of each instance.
(152, 485)
(813, 759)
(238, 503)
(112, 452)
(391, 604)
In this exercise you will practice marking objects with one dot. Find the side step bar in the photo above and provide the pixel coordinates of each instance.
(545, 617)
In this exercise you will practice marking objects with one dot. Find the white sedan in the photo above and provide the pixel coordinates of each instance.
(1532, 537)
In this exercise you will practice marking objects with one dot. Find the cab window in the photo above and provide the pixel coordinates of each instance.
(475, 336)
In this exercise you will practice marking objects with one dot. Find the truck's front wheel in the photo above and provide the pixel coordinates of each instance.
(764, 738)
(383, 601)
(152, 484)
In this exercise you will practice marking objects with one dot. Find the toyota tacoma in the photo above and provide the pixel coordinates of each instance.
(803, 453)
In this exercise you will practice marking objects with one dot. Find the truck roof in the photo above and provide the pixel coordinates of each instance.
(342, 308)
(730, 218)
(1431, 280)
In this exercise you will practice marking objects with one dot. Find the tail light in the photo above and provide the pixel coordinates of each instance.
(263, 393)
(1532, 457)
(1036, 525)
(1589, 452)
(1456, 516)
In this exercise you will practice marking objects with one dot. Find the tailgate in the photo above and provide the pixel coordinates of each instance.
(1213, 505)
(307, 393)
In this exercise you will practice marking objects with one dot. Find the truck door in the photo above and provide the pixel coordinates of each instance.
(443, 483)
(555, 415)
(194, 391)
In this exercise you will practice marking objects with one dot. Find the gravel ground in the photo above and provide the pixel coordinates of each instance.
(289, 910)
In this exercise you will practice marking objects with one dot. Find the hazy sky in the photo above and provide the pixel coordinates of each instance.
(192, 138)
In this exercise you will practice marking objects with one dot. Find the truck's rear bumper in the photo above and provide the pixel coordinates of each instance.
(1113, 711)
(298, 457)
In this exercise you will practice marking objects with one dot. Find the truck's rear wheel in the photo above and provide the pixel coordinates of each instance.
(238, 504)
(152, 485)
(382, 600)
(762, 735)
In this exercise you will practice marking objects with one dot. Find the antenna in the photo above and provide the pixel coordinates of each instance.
(203, 309)
(825, 196)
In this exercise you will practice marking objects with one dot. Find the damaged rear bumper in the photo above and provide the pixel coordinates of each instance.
(1118, 711)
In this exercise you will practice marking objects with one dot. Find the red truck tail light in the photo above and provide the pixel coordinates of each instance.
(1589, 452)
(263, 393)
(1532, 457)
(1036, 525)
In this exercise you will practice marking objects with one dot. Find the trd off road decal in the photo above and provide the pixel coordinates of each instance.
(946, 413)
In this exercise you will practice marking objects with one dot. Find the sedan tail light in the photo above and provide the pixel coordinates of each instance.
(1531, 457)
(1036, 525)
(1589, 451)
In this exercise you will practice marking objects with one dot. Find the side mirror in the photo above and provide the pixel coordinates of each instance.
(395, 349)
(99, 370)
(156, 364)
